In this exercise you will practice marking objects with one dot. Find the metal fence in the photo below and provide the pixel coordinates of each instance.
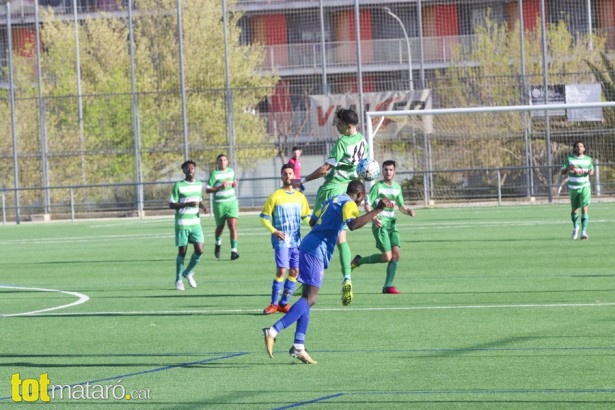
(93, 122)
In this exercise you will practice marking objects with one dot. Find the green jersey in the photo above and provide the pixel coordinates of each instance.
(217, 178)
(392, 192)
(344, 157)
(578, 177)
(184, 191)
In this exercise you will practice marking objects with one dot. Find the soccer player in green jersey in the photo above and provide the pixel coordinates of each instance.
(282, 215)
(384, 226)
(222, 184)
(339, 170)
(186, 199)
(579, 167)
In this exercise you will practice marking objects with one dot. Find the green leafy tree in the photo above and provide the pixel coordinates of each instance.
(489, 73)
(100, 149)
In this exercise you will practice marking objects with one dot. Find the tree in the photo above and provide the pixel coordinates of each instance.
(105, 139)
(488, 73)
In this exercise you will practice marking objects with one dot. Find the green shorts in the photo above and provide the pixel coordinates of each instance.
(190, 235)
(581, 197)
(327, 191)
(387, 236)
(225, 210)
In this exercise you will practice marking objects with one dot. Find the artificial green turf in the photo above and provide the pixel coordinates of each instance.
(500, 309)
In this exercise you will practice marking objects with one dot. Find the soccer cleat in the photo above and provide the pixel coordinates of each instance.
(269, 342)
(584, 235)
(355, 262)
(234, 255)
(190, 278)
(301, 355)
(346, 292)
(179, 285)
(391, 289)
(217, 251)
(270, 309)
(283, 308)
(575, 233)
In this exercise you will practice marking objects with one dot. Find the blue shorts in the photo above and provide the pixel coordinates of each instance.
(311, 270)
(287, 257)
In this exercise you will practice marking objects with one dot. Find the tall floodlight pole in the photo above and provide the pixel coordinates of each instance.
(182, 76)
(228, 93)
(323, 50)
(136, 122)
(9, 30)
(419, 12)
(403, 28)
(79, 94)
(543, 17)
(42, 121)
(357, 26)
(590, 29)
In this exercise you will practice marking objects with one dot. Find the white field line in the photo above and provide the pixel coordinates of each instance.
(261, 232)
(366, 309)
(81, 298)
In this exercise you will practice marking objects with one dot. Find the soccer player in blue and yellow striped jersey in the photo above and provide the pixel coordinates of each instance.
(315, 254)
(281, 216)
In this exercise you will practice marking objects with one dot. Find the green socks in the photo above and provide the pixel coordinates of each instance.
(345, 258)
(179, 264)
(391, 271)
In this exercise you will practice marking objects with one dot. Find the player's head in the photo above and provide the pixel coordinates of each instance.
(186, 163)
(222, 161)
(296, 151)
(578, 147)
(388, 169)
(287, 174)
(347, 116)
(356, 190)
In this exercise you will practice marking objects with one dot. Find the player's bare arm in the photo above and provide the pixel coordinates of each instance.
(319, 172)
(365, 218)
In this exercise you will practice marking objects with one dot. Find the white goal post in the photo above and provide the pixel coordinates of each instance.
(513, 139)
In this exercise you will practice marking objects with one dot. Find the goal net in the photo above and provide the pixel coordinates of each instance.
(493, 153)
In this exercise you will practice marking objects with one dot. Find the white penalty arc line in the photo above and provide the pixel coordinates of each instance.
(81, 298)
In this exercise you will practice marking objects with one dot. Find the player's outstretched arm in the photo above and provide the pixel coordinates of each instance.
(319, 172)
(365, 218)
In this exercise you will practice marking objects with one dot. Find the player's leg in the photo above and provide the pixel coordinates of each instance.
(232, 215)
(311, 272)
(298, 349)
(383, 244)
(281, 262)
(195, 237)
(574, 215)
(394, 243)
(291, 281)
(585, 198)
(220, 221)
(181, 241)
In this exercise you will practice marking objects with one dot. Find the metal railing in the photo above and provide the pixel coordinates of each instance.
(450, 186)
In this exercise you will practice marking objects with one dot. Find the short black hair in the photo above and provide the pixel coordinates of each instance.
(296, 149)
(188, 162)
(347, 116)
(389, 162)
(286, 166)
(220, 156)
(355, 186)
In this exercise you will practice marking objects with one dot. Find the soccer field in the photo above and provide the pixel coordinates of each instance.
(500, 309)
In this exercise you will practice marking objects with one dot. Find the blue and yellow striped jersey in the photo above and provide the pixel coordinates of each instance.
(284, 211)
(330, 220)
